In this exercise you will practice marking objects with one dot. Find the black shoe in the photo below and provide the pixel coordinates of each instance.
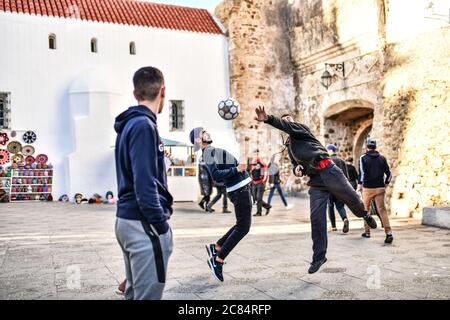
(370, 221)
(257, 215)
(315, 266)
(389, 238)
(210, 210)
(268, 209)
(346, 227)
(202, 205)
(226, 211)
(211, 249)
(365, 235)
(216, 268)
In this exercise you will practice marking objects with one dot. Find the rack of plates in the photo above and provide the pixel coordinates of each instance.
(31, 184)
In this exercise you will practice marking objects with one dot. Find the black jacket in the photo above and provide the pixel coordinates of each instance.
(223, 166)
(341, 164)
(304, 148)
(372, 168)
(352, 173)
(140, 168)
(204, 179)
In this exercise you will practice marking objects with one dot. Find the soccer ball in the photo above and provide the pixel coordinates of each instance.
(229, 109)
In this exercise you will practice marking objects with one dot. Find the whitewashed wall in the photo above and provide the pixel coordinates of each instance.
(195, 66)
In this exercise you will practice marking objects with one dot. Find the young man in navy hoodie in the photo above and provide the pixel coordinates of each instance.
(145, 203)
(223, 167)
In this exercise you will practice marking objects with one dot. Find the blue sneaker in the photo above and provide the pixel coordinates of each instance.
(211, 249)
(216, 268)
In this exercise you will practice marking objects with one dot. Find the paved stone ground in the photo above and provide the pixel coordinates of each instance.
(43, 246)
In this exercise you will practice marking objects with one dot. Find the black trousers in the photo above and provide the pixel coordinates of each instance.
(259, 194)
(337, 185)
(242, 201)
(332, 202)
(221, 191)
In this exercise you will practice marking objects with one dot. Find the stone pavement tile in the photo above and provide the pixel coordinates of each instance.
(180, 296)
(289, 289)
(227, 292)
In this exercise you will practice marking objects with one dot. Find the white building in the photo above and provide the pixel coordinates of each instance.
(66, 72)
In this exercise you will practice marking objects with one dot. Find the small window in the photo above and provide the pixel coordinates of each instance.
(94, 45)
(5, 111)
(176, 115)
(52, 42)
(132, 48)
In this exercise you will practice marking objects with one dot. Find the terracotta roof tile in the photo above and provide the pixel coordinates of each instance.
(131, 12)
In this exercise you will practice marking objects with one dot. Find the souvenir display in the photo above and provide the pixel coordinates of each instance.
(4, 157)
(27, 150)
(14, 147)
(29, 137)
(3, 138)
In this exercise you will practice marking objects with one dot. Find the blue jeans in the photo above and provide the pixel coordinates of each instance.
(280, 192)
(332, 201)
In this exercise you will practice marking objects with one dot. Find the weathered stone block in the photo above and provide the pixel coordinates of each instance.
(436, 217)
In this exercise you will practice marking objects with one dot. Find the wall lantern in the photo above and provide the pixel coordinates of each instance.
(327, 77)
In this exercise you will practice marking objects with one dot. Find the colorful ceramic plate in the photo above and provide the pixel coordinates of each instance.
(29, 137)
(3, 138)
(29, 160)
(17, 158)
(14, 147)
(4, 157)
(13, 134)
(28, 150)
(41, 158)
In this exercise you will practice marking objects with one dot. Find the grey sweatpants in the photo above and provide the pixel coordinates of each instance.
(146, 257)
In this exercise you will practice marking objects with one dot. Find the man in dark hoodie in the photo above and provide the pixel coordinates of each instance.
(373, 168)
(145, 203)
(331, 148)
(309, 157)
(225, 168)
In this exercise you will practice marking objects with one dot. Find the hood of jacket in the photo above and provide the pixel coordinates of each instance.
(132, 112)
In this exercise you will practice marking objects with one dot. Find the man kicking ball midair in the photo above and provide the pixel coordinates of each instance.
(310, 158)
(224, 167)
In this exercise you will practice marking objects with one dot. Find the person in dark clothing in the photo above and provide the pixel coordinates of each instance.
(205, 181)
(224, 167)
(258, 174)
(221, 192)
(375, 175)
(310, 157)
(145, 203)
(275, 184)
(352, 173)
(333, 201)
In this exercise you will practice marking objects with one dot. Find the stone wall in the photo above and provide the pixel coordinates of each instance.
(393, 86)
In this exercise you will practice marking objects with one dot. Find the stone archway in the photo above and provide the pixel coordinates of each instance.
(347, 124)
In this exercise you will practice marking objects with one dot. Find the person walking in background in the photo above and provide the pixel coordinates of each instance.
(258, 174)
(375, 175)
(275, 184)
(221, 192)
(145, 203)
(333, 201)
(352, 173)
(205, 181)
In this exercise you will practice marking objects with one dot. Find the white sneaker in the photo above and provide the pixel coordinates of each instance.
(289, 206)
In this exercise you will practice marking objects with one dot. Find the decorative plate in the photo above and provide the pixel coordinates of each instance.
(17, 158)
(29, 160)
(41, 158)
(14, 147)
(28, 150)
(3, 138)
(29, 137)
(4, 157)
